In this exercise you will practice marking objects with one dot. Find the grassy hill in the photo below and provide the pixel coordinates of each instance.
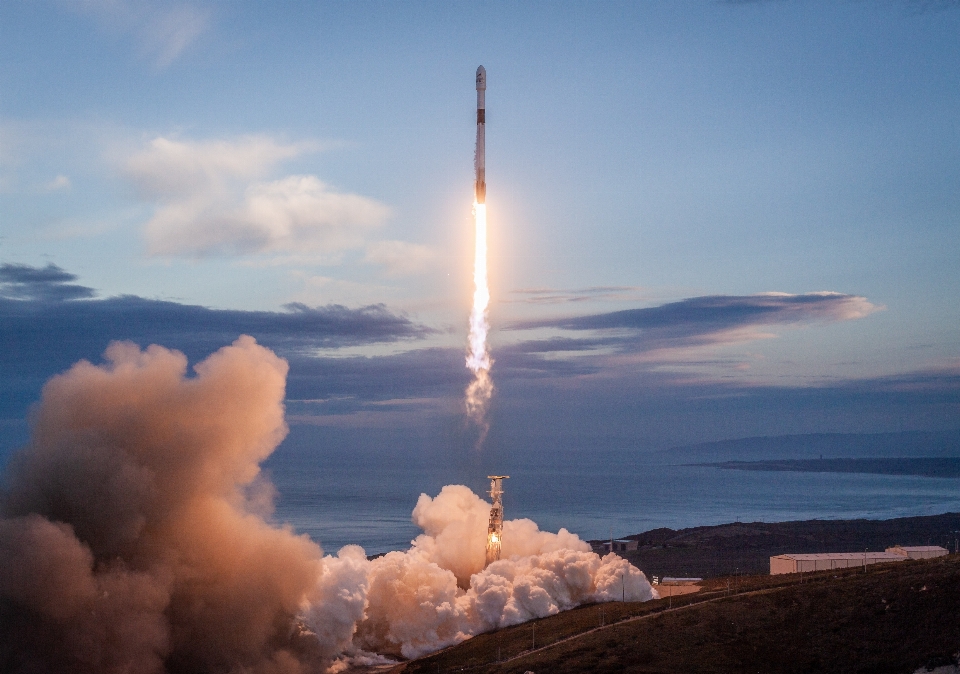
(746, 547)
(887, 618)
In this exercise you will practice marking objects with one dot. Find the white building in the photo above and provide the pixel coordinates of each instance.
(919, 551)
(825, 561)
(667, 580)
(619, 545)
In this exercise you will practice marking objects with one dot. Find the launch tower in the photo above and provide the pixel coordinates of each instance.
(495, 528)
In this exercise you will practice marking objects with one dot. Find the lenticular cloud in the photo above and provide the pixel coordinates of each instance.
(130, 539)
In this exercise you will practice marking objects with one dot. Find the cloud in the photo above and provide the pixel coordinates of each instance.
(46, 284)
(131, 538)
(211, 199)
(46, 328)
(161, 30)
(721, 311)
(560, 296)
(696, 321)
(399, 258)
(79, 327)
(61, 182)
(637, 366)
(177, 169)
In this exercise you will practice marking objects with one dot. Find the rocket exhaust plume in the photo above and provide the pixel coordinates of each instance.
(134, 539)
(480, 390)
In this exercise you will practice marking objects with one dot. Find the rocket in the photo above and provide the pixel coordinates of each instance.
(480, 186)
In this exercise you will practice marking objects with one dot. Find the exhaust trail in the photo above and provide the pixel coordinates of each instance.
(174, 569)
(480, 390)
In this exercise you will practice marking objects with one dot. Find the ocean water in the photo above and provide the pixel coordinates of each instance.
(340, 490)
(366, 497)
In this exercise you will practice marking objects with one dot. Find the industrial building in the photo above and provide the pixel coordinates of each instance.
(919, 551)
(620, 545)
(669, 580)
(796, 563)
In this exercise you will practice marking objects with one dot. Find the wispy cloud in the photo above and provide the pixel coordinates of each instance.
(565, 296)
(40, 284)
(212, 199)
(61, 182)
(176, 169)
(722, 311)
(694, 322)
(161, 30)
(399, 258)
(47, 322)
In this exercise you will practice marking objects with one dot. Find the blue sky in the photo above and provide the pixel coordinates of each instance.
(755, 204)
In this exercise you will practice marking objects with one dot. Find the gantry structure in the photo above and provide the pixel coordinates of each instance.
(495, 528)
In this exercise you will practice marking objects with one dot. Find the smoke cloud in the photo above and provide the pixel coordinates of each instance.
(437, 593)
(133, 539)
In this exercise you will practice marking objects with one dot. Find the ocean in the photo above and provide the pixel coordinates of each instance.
(340, 490)
(365, 496)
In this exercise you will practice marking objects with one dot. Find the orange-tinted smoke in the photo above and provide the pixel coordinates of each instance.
(128, 542)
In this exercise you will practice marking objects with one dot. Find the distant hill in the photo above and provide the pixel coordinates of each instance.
(746, 547)
(946, 467)
(907, 444)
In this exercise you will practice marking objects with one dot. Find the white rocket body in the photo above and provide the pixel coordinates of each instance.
(480, 186)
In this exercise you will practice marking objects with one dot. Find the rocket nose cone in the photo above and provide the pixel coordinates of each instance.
(481, 78)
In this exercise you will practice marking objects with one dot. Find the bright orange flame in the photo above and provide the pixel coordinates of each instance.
(480, 390)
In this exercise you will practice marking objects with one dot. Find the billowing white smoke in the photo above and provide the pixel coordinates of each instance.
(417, 603)
(131, 539)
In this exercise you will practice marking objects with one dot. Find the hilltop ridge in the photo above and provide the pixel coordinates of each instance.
(746, 547)
(896, 618)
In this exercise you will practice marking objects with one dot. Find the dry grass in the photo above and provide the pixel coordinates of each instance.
(747, 546)
(889, 618)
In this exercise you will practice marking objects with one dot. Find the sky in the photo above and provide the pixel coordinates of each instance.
(708, 220)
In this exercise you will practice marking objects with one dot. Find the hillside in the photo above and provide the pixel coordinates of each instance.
(746, 547)
(889, 618)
